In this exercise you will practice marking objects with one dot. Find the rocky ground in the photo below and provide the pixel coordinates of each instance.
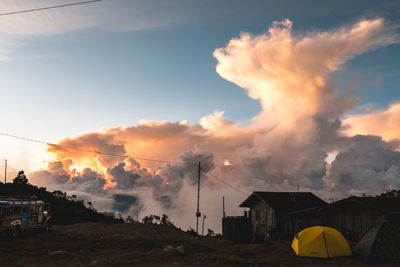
(96, 244)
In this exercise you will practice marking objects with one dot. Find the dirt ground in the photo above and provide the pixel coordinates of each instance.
(97, 244)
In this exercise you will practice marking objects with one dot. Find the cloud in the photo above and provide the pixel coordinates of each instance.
(288, 73)
(284, 146)
(115, 15)
(123, 203)
(124, 179)
(369, 165)
(384, 123)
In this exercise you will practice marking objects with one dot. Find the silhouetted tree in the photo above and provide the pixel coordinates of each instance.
(147, 220)
(164, 219)
(210, 232)
(59, 194)
(391, 194)
(21, 178)
(191, 231)
(156, 218)
(62, 209)
(129, 219)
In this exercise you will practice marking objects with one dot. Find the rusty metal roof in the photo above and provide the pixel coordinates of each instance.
(284, 201)
(383, 204)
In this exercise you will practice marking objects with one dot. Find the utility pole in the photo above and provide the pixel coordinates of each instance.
(223, 207)
(202, 229)
(5, 171)
(198, 214)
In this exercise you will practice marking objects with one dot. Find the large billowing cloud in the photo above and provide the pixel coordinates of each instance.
(367, 165)
(384, 123)
(288, 73)
(286, 145)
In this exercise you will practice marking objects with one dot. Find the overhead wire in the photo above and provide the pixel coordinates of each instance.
(225, 183)
(121, 156)
(48, 7)
(94, 151)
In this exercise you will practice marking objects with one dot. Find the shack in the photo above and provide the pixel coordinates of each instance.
(352, 216)
(268, 213)
(237, 228)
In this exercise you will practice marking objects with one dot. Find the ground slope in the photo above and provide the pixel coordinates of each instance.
(97, 244)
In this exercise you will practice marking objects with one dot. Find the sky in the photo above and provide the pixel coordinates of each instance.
(269, 94)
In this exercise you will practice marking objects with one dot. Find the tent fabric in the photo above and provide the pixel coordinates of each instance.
(320, 242)
(381, 243)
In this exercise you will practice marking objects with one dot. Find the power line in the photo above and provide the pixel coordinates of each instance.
(48, 7)
(225, 183)
(120, 156)
(94, 151)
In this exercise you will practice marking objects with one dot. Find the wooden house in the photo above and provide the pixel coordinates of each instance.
(237, 228)
(351, 216)
(269, 210)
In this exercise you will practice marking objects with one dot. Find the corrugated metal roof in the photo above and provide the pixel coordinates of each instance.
(284, 201)
(385, 205)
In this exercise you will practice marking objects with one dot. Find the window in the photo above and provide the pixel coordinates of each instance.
(25, 209)
(16, 210)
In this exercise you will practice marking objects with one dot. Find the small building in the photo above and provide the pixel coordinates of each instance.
(269, 210)
(351, 216)
(237, 228)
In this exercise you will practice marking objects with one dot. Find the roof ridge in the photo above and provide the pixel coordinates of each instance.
(282, 192)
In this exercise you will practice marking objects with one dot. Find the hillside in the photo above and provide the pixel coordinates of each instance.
(64, 209)
(136, 244)
(81, 236)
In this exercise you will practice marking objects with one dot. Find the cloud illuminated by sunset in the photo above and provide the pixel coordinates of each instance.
(385, 123)
(286, 144)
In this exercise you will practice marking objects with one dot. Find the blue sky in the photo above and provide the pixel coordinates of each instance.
(69, 71)
(153, 60)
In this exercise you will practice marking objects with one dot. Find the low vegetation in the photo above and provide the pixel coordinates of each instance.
(64, 209)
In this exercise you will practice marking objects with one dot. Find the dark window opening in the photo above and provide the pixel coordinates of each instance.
(17, 210)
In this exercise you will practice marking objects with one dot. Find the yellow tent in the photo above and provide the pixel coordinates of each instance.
(320, 242)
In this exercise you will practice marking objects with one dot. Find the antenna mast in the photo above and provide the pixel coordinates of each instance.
(198, 214)
(223, 206)
(5, 171)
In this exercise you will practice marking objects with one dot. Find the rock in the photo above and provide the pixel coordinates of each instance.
(56, 252)
(172, 250)
(169, 249)
(180, 249)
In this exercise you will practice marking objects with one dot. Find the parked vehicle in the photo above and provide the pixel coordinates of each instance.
(18, 215)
